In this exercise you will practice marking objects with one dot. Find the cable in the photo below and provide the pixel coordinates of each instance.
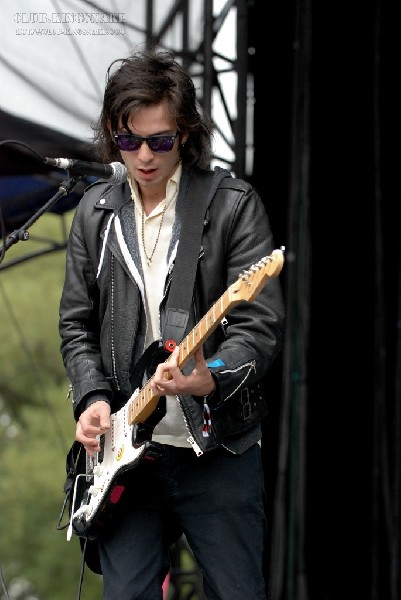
(3, 584)
(42, 158)
(2, 224)
(81, 576)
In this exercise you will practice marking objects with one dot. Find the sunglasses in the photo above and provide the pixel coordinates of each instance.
(129, 142)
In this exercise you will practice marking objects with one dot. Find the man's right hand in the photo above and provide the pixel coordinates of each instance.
(94, 421)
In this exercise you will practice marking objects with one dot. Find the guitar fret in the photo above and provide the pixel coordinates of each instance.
(209, 320)
(199, 328)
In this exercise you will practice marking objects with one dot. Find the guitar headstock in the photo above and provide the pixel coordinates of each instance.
(251, 281)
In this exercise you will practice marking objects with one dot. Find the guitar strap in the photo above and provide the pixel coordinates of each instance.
(199, 191)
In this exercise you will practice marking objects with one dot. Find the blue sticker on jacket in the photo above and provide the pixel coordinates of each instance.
(216, 363)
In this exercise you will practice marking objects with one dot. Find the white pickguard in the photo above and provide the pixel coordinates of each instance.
(116, 456)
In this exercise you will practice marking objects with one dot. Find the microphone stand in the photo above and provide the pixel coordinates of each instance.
(22, 233)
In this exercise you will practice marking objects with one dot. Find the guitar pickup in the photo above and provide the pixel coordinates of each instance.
(100, 454)
(90, 465)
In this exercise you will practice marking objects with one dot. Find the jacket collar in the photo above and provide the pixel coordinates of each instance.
(112, 197)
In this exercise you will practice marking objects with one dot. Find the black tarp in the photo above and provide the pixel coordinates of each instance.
(26, 182)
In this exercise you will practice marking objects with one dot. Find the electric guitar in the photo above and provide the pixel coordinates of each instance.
(99, 481)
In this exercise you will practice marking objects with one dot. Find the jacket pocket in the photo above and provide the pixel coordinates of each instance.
(241, 413)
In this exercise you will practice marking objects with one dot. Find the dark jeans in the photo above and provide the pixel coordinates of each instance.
(216, 500)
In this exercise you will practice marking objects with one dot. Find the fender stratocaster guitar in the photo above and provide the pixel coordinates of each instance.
(100, 480)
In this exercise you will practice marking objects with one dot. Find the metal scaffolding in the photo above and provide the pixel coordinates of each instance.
(210, 38)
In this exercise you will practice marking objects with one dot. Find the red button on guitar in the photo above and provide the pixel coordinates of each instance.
(170, 345)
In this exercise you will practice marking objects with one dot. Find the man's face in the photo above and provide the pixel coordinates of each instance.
(152, 169)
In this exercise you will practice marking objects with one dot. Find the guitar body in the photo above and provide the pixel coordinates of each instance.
(96, 484)
(100, 481)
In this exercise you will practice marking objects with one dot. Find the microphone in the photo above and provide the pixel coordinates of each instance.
(115, 172)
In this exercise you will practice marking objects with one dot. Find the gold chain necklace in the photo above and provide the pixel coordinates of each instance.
(149, 258)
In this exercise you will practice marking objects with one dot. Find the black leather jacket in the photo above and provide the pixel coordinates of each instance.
(102, 318)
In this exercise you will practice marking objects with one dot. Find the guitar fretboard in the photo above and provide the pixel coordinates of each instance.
(144, 403)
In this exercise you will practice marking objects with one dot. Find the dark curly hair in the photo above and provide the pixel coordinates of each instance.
(146, 78)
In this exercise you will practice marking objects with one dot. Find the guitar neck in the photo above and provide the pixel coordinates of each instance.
(145, 402)
(246, 288)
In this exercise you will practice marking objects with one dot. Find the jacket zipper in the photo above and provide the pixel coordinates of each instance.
(113, 353)
(191, 440)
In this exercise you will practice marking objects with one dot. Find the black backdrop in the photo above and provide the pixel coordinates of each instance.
(325, 164)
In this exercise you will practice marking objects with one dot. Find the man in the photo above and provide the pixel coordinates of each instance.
(207, 482)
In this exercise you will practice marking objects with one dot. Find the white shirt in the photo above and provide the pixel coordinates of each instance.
(171, 429)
